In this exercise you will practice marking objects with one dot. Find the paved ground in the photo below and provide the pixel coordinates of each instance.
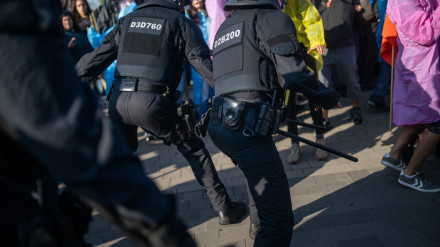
(335, 203)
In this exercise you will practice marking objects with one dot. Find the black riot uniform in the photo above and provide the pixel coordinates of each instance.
(255, 54)
(150, 45)
(52, 131)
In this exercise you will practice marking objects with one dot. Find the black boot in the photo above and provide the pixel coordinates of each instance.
(254, 229)
(356, 115)
(232, 214)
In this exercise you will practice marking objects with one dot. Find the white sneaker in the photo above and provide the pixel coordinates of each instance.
(319, 153)
(293, 157)
(418, 182)
(398, 164)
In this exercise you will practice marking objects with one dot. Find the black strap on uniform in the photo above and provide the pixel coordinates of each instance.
(142, 84)
(217, 108)
(249, 121)
(154, 88)
(241, 83)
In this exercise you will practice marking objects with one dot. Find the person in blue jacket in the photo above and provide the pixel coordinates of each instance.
(95, 38)
(381, 89)
(202, 92)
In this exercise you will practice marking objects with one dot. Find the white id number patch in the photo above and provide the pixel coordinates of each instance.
(227, 37)
(139, 24)
(146, 25)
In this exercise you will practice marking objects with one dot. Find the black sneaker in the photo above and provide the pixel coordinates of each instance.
(328, 125)
(378, 105)
(356, 115)
(232, 214)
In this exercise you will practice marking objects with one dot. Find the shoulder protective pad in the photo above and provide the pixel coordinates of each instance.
(283, 45)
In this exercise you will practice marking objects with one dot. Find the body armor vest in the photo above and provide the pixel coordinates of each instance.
(238, 63)
(147, 46)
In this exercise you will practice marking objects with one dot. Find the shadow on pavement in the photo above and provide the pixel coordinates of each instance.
(335, 203)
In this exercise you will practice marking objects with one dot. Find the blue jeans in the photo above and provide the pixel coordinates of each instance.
(383, 81)
(259, 160)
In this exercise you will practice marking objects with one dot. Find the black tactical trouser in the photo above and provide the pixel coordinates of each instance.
(157, 115)
(260, 162)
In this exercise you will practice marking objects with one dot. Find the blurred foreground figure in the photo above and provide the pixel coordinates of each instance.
(51, 131)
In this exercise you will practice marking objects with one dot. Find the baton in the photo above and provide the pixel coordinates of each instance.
(317, 145)
(314, 126)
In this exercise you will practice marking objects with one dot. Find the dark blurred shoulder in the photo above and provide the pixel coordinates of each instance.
(31, 16)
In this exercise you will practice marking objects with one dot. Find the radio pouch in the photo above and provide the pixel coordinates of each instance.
(232, 113)
(263, 125)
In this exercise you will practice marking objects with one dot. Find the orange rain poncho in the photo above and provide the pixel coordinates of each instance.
(389, 37)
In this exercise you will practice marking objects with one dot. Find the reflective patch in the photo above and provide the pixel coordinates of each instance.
(146, 25)
(232, 35)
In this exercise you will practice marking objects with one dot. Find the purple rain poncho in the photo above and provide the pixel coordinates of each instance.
(217, 16)
(416, 97)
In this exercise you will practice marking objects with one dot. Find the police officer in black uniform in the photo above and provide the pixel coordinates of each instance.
(52, 131)
(150, 45)
(255, 55)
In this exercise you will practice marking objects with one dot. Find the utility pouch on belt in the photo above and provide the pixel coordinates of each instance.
(264, 122)
(232, 113)
(185, 123)
(128, 85)
(186, 112)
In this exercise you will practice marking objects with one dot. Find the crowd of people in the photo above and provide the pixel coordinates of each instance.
(229, 49)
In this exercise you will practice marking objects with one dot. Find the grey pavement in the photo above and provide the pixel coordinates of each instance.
(335, 202)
